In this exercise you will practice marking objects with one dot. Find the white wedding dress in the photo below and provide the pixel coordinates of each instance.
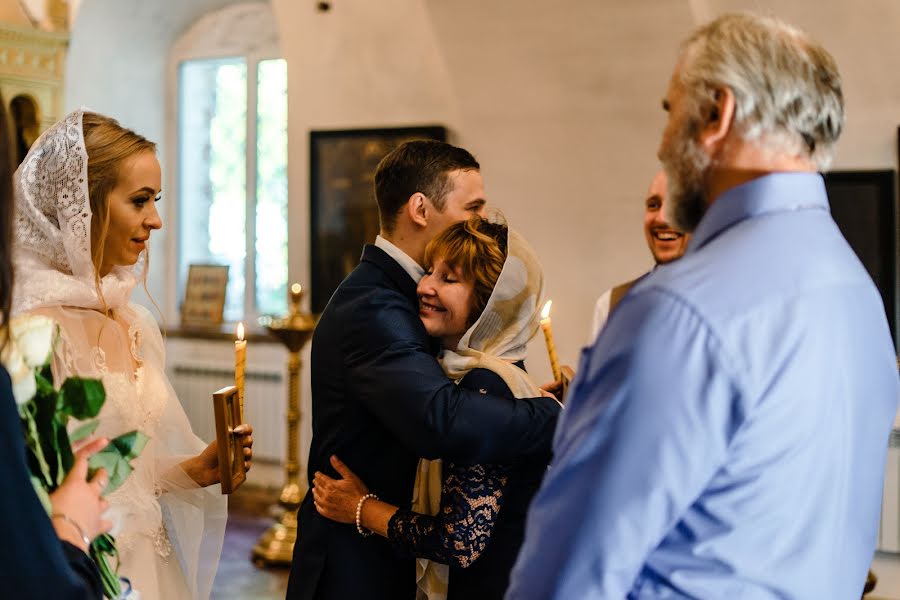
(168, 531)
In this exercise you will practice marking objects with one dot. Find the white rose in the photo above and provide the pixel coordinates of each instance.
(22, 376)
(33, 336)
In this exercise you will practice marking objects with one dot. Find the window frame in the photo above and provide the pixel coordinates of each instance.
(204, 42)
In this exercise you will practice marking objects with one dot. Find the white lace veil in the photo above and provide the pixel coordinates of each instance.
(52, 228)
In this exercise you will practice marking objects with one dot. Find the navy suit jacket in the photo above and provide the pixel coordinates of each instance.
(380, 401)
(35, 563)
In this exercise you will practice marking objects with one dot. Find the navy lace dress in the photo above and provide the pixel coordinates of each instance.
(481, 522)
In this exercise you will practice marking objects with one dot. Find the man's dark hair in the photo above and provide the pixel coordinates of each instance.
(418, 166)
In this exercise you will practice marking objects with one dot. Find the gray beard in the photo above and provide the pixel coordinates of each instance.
(685, 164)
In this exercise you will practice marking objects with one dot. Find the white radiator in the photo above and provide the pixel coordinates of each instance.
(264, 401)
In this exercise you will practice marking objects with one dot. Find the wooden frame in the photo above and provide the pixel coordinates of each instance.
(204, 296)
(864, 205)
(227, 409)
(343, 213)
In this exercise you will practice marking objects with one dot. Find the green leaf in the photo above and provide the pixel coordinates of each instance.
(117, 468)
(82, 398)
(84, 431)
(131, 444)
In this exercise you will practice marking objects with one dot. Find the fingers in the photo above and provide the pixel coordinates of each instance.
(244, 429)
(341, 468)
(89, 448)
(100, 479)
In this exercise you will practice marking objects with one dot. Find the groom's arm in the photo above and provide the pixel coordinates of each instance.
(395, 376)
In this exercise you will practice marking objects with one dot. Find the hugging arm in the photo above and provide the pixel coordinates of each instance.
(471, 498)
(395, 376)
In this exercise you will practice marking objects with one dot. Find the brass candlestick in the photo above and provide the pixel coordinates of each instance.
(276, 545)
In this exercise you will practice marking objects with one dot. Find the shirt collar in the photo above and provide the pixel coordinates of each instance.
(412, 268)
(776, 192)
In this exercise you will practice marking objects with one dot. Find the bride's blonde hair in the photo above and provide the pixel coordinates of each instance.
(108, 145)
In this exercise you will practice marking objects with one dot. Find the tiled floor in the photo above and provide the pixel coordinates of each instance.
(237, 577)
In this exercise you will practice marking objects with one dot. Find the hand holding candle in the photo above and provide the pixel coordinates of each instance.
(240, 364)
(548, 335)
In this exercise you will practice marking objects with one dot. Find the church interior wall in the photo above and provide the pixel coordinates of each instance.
(559, 101)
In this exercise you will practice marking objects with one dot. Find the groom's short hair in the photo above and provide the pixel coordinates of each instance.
(418, 166)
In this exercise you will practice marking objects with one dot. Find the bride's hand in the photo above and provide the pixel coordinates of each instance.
(337, 499)
(204, 468)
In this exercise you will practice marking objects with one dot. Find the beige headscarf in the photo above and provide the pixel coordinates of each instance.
(496, 341)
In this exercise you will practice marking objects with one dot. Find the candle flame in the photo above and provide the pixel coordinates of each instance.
(545, 314)
(240, 331)
(296, 288)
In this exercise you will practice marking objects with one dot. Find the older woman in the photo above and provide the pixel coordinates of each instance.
(480, 297)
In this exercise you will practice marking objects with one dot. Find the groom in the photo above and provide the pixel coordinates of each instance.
(380, 400)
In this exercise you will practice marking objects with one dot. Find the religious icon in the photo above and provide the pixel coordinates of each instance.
(227, 409)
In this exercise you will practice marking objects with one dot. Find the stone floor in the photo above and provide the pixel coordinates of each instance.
(237, 577)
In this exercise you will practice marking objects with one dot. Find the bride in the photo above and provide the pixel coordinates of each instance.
(85, 207)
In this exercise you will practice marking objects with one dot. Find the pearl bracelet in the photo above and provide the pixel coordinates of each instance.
(359, 527)
(70, 521)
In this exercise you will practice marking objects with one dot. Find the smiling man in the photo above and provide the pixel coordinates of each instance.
(665, 244)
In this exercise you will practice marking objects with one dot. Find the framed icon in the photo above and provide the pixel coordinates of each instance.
(343, 213)
(227, 409)
(204, 296)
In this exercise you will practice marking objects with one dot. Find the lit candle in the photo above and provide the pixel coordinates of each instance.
(548, 335)
(295, 295)
(240, 364)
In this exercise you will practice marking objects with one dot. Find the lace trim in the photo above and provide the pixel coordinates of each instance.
(53, 216)
(161, 542)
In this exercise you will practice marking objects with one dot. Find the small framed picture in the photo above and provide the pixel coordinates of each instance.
(204, 296)
(227, 409)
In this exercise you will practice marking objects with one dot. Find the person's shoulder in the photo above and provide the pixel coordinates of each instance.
(485, 381)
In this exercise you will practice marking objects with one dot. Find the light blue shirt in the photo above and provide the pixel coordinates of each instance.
(727, 432)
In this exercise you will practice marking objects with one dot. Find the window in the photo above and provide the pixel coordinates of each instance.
(232, 177)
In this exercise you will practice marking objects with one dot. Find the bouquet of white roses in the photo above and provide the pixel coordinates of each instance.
(45, 412)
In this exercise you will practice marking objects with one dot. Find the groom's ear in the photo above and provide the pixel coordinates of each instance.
(417, 209)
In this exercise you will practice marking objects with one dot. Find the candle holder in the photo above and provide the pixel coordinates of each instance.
(276, 545)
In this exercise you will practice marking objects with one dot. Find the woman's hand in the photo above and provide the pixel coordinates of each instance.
(204, 468)
(557, 389)
(80, 500)
(337, 499)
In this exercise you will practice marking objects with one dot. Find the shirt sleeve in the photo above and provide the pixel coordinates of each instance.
(652, 413)
(471, 498)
